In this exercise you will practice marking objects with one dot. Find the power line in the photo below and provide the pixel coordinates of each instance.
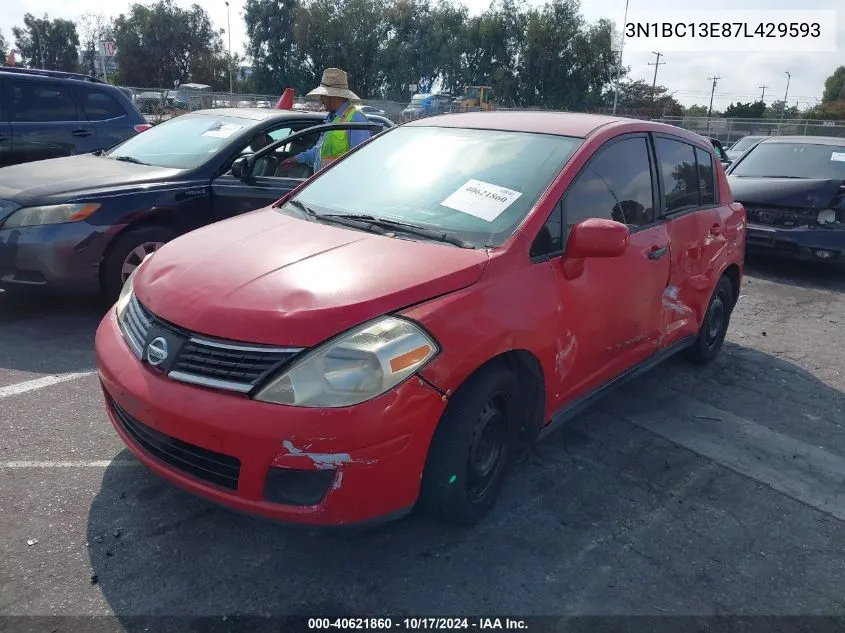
(714, 79)
(656, 64)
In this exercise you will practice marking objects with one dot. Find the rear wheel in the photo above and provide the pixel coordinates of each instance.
(472, 448)
(714, 327)
(127, 253)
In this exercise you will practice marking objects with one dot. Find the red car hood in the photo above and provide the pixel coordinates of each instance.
(266, 277)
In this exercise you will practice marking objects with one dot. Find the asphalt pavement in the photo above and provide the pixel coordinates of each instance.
(689, 491)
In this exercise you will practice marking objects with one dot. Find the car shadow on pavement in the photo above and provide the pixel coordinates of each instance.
(48, 335)
(589, 520)
(804, 274)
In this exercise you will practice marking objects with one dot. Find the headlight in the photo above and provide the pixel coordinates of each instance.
(828, 216)
(52, 214)
(360, 364)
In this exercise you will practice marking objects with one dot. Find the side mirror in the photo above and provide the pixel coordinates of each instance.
(596, 237)
(241, 168)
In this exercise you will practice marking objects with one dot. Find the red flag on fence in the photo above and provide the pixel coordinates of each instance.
(286, 100)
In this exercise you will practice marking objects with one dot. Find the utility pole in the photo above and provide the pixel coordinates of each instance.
(714, 79)
(786, 94)
(655, 63)
(763, 96)
(229, 33)
(40, 50)
(619, 64)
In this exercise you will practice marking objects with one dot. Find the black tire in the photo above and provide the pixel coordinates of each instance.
(461, 482)
(714, 327)
(123, 249)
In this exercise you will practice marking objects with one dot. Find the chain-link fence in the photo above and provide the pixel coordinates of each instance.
(730, 130)
(160, 104)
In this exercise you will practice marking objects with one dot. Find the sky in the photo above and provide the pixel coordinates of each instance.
(741, 74)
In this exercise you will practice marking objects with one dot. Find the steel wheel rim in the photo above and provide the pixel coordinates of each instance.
(136, 256)
(487, 447)
(716, 320)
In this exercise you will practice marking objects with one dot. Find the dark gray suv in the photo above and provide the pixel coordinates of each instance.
(47, 114)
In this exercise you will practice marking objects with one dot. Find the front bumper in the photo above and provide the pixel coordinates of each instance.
(53, 258)
(805, 243)
(375, 451)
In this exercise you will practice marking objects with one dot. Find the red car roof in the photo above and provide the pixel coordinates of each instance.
(563, 123)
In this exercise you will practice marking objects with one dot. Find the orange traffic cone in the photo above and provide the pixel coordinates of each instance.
(286, 100)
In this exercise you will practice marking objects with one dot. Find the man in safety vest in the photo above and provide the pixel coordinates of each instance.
(337, 98)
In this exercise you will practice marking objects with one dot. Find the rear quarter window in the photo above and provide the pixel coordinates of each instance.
(99, 105)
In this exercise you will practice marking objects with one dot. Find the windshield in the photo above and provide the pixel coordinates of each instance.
(473, 93)
(793, 160)
(477, 185)
(417, 100)
(745, 143)
(182, 143)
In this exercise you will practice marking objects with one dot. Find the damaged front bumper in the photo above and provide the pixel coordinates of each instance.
(342, 466)
(815, 243)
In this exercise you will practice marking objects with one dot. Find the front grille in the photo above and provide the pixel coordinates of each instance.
(201, 360)
(780, 216)
(209, 466)
(237, 364)
(136, 323)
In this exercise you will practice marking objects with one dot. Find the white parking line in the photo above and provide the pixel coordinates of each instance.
(809, 474)
(84, 464)
(40, 383)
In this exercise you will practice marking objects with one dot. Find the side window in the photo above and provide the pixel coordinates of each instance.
(550, 238)
(705, 176)
(676, 161)
(39, 102)
(615, 185)
(99, 105)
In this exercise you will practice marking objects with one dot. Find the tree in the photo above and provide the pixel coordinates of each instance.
(276, 58)
(162, 43)
(834, 86)
(95, 28)
(51, 43)
(696, 110)
(4, 49)
(746, 110)
(779, 110)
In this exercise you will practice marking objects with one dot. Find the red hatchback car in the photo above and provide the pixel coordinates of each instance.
(389, 331)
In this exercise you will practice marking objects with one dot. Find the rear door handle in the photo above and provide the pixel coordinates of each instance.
(657, 252)
(81, 133)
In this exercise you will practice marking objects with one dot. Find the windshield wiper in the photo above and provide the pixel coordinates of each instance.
(404, 227)
(129, 159)
(302, 207)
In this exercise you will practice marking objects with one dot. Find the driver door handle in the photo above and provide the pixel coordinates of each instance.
(657, 252)
(81, 132)
(716, 229)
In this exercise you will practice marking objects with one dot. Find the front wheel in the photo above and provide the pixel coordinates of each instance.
(714, 327)
(126, 254)
(472, 448)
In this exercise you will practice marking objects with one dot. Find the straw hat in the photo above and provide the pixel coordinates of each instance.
(334, 84)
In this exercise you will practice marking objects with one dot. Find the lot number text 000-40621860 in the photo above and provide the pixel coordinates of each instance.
(418, 624)
(696, 30)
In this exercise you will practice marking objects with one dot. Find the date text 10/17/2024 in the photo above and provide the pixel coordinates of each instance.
(417, 624)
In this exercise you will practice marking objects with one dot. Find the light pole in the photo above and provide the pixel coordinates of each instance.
(229, 33)
(40, 50)
(619, 65)
(785, 94)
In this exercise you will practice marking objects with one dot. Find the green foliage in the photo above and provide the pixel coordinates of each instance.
(544, 56)
(56, 41)
(746, 110)
(834, 86)
(162, 43)
(4, 49)
(779, 110)
(696, 111)
(94, 28)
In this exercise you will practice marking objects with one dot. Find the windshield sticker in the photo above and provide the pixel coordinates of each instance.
(838, 156)
(481, 199)
(219, 130)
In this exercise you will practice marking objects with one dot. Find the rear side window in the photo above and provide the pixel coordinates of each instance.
(615, 185)
(706, 176)
(99, 105)
(676, 161)
(39, 102)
